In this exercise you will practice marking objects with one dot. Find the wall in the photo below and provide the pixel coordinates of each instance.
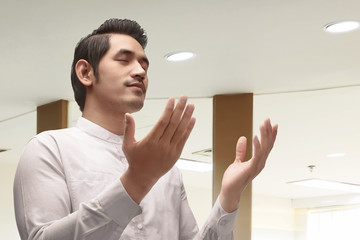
(199, 193)
(274, 218)
(8, 228)
(15, 133)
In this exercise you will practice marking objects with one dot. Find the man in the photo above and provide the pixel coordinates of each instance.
(95, 181)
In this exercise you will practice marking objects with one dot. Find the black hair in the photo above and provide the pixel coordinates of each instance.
(94, 46)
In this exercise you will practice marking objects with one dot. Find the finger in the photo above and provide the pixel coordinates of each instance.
(241, 149)
(266, 134)
(158, 130)
(271, 135)
(257, 147)
(268, 127)
(274, 132)
(174, 120)
(263, 134)
(179, 132)
(186, 134)
(129, 130)
(259, 158)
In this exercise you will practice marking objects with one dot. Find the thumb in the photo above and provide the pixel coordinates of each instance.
(129, 131)
(241, 149)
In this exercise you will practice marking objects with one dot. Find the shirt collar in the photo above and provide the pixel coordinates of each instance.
(97, 131)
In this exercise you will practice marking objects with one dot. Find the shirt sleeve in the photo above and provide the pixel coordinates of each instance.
(42, 202)
(218, 226)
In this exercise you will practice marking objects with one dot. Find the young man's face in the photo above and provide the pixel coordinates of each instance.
(122, 75)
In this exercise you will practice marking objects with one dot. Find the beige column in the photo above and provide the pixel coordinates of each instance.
(52, 116)
(232, 118)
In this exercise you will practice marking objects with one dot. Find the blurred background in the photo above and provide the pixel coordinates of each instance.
(303, 77)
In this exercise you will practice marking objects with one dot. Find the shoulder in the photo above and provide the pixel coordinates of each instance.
(42, 152)
(57, 133)
(54, 136)
(47, 142)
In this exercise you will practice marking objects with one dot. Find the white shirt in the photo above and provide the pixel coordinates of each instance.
(67, 186)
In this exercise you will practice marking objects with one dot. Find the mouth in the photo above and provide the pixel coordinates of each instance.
(138, 85)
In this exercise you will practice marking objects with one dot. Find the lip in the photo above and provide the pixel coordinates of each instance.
(138, 85)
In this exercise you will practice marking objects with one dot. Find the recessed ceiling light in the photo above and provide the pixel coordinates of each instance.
(335, 155)
(342, 27)
(179, 56)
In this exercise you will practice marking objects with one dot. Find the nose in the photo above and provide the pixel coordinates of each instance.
(138, 72)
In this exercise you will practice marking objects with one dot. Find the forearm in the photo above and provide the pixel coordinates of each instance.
(136, 186)
(82, 224)
(50, 206)
(219, 225)
(107, 215)
(229, 202)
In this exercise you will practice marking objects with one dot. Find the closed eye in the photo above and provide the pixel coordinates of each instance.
(122, 60)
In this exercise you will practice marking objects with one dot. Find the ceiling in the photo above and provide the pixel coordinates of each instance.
(303, 78)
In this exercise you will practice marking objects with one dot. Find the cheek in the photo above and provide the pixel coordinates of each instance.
(146, 83)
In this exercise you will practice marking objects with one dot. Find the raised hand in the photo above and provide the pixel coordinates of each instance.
(154, 155)
(240, 173)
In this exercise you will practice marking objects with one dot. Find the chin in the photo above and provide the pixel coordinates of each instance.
(135, 106)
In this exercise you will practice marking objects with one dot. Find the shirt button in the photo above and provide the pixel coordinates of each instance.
(140, 226)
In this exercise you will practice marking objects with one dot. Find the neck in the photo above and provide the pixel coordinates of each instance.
(113, 122)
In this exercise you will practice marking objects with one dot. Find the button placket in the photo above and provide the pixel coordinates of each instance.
(140, 226)
(138, 223)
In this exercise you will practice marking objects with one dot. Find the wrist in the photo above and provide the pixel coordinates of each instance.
(136, 186)
(229, 202)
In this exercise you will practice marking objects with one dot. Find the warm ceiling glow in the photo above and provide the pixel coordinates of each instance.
(179, 56)
(342, 27)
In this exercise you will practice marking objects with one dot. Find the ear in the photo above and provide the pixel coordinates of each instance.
(84, 72)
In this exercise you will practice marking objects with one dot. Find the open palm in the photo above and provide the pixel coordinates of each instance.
(241, 172)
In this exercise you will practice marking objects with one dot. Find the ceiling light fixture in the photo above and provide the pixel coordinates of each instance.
(342, 27)
(336, 155)
(179, 56)
(330, 185)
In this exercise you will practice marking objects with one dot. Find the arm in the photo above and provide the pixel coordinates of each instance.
(42, 201)
(241, 172)
(219, 224)
(221, 221)
(154, 155)
(43, 206)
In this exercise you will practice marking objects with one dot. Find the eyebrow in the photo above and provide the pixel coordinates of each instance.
(129, 52)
